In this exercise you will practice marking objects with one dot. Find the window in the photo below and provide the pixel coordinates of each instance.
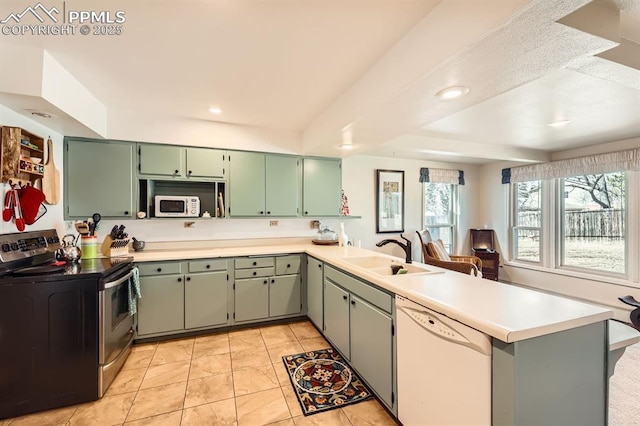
(527, 220)
(593, 222)
(438, 212)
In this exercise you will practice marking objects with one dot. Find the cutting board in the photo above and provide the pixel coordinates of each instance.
(51, 178)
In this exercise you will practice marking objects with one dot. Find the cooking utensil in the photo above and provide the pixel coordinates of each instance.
(82, 227)
(96, 219)
(17, 212)
(51, 177)
(114, 232)
(7, 212)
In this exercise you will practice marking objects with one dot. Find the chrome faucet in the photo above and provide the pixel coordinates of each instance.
(406, 247)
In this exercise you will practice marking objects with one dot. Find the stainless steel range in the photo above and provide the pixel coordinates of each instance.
(68, 325)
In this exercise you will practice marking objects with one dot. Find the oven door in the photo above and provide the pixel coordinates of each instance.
(116, 323)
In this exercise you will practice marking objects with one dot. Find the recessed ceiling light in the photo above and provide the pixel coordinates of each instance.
(559, 123)
(215, 110)
(347, 146)
(452, 92)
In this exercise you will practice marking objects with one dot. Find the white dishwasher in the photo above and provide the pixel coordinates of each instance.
(444, 369)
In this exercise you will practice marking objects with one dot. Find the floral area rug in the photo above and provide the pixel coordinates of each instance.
(323, 381)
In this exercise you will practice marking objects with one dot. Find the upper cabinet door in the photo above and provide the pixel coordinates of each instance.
(163, 160)
(98, 177)
(247, 184)
(204, 162)
(283, 185)
(321, 186)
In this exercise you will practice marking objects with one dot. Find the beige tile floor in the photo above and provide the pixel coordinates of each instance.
(234, 378)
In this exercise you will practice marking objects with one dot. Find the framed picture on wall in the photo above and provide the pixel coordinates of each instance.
(389, 201)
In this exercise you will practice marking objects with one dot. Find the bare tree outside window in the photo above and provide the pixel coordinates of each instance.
(593, 229)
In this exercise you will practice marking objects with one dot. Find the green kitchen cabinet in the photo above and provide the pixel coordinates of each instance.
(246, 184)
(336, 317)
(267, 287)
(372, 346)
(205, 294)
(282, 185)
(284, 295)
(314, 291)
(180, 162)
(358, 320)
(321, 186)
(263, 185)
(161, 308)
(98, 177)
(251, 299)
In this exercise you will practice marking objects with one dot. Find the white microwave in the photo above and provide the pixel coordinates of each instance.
(177, 206)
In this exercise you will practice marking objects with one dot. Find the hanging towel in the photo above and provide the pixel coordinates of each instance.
(134, 291)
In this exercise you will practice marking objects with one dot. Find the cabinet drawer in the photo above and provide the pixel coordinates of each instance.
(207, 265)
(372, 295)
(254, 262)
(287, 265)
(159, 268)
(254, 273)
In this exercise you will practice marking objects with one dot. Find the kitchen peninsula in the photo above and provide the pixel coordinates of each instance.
(549, 354)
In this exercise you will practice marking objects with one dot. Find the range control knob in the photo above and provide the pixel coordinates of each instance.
(6, 247)
(14, 246)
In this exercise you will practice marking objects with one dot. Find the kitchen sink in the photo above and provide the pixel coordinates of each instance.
(382, 266)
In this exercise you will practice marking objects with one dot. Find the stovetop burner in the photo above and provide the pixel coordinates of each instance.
(47, 268)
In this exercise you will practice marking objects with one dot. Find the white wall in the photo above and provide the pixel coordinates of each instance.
(358, 182)
(53, 217)
(493, 210)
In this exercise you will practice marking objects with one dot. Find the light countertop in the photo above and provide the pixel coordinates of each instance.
(506, 312)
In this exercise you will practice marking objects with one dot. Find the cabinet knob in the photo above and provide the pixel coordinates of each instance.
(353, 302)
(268, 212)
(306, 213)
(189, 172)
(344, 297)
(288, 265)
(255, 263)
(175, 172)
(255, 273)
(179, 280)
(208, 266)
(265, 281)
(273, 281)
(188, 278)
(320, 266)
(126, 212)
(262, 212)
(159, 269)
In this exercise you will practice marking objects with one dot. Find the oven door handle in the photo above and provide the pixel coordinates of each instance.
(117, 282)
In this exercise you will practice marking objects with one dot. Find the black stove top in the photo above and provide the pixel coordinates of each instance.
(30, 257)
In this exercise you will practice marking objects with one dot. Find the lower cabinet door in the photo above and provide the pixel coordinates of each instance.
(284, 296)
(314, 291)
(336, 317)
(205, 299)
(161, 308)
(372, 347)
(252, 299)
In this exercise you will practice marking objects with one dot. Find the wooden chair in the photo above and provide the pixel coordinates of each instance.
(471, 265)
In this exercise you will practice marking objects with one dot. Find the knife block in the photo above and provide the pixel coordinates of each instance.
(115, 247)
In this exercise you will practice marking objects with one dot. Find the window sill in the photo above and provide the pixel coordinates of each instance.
(575, 273)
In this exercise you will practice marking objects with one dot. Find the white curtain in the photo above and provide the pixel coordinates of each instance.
(592, 164)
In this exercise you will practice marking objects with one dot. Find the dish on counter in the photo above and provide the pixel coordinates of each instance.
(325, 242)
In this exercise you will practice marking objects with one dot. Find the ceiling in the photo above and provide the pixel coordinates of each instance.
(319, 67)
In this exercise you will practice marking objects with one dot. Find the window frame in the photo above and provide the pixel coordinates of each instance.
(453, 213)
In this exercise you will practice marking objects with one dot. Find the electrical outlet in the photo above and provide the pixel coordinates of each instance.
(273, 223)
(315, 224)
